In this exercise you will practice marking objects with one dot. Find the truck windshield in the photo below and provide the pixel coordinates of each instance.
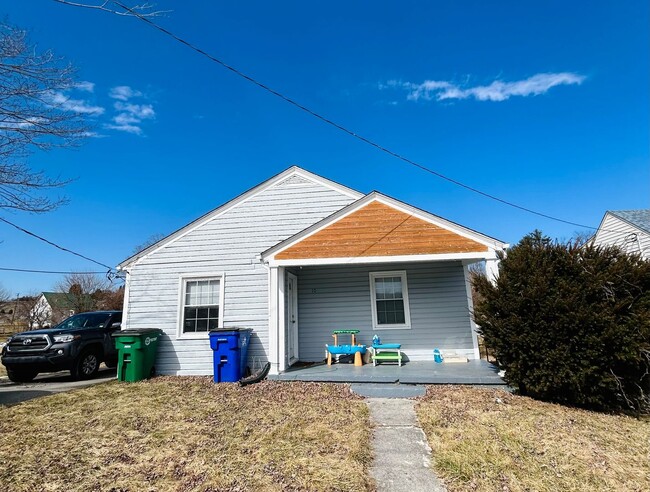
(85, 320)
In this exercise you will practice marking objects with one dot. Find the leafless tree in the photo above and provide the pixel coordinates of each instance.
(4, 295)
(81, 291)
(35, 114)
(151, 240)
(40, 315)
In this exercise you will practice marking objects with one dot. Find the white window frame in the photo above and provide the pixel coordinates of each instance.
(405, 297)
(181, 303)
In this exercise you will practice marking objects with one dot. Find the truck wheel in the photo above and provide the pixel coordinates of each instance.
(21, 375)
(86, 365)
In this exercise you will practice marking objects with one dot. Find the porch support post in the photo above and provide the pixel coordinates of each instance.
(276, 319)
(470, 307)
(282, 331)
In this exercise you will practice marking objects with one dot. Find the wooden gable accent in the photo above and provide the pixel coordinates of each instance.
(380, 230)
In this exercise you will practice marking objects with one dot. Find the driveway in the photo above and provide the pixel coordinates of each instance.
(47, 384)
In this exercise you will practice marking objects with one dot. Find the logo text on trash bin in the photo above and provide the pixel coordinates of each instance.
(148, 340)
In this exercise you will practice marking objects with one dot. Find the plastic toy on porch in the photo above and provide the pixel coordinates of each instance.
(352, 348)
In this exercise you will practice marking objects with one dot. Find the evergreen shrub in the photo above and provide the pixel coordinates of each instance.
(570, 324)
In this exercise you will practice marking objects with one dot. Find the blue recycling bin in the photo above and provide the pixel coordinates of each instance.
(229, 353)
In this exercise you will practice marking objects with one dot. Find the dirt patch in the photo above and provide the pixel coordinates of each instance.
(188, 434)
(487, 440)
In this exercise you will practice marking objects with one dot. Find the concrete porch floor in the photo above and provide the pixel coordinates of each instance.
(477, 372)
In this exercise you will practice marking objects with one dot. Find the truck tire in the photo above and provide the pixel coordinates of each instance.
(21, 375)
(86, 365)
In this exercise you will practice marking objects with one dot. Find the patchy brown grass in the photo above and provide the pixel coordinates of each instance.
(188, 434)
(3, 370)
(519, 444)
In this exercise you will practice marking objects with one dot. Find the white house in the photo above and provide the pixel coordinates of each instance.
(49, 309)
(297, 257)
(627, 229)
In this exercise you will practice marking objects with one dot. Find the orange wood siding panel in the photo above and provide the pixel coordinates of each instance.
(379, 230)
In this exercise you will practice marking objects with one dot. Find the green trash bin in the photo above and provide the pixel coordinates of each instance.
(136, 353)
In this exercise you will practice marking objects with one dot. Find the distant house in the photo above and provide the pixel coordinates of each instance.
(50, 308)
(627, 229)
(297, 257)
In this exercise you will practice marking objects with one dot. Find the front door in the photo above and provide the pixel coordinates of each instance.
(292, 317)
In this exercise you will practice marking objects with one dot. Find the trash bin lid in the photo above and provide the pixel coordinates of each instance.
(134, 332)
(234, 328)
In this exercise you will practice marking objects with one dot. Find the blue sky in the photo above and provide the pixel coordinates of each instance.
(544, 104)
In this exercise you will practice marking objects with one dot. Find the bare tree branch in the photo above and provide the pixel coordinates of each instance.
(143, 9)
(35, 114)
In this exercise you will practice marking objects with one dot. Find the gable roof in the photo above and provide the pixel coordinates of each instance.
(59, 300)
(293, 171)
(637, 218)
(379, 225)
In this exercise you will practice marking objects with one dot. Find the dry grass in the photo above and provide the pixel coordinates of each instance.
(519, 444)
(3, 370)
(188, 434)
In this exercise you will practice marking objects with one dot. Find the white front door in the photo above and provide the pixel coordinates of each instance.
(292, 318)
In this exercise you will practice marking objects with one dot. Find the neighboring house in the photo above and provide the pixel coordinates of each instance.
(627, 229)
(297, 257)
(49, 309)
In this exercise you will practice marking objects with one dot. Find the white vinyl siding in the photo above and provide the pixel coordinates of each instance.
(229, 244)
(616, 232)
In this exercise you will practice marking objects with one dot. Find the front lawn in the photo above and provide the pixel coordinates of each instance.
(486, 440)
(188, 434)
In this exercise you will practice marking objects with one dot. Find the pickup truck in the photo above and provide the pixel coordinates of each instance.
(78, 344)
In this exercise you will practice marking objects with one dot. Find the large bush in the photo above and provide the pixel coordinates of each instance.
(570, 324)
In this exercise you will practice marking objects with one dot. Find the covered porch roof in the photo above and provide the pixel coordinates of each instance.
(381, 229)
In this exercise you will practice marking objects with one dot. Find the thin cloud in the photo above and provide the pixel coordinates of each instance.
(136, 130)
(141, 111)
(85, 86)
(66, 103)
(123, 92)
(129, 115)
(498, 90)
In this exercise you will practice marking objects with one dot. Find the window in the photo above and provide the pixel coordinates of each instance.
(390, 301)
(201, 305)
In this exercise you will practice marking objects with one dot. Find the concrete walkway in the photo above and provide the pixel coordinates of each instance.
(402, 455)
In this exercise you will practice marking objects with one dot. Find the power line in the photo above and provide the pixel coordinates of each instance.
(110, 269)
(339, 126)
(48, 271)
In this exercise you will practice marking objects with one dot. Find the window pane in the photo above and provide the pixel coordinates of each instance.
(201, 325)
(190, 313)
(202, 313)
(396, 287)
(388, 288)
(380, 288)
(202, 292)
(390, 312)
(213, 323)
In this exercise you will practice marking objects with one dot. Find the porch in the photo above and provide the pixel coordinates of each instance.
(477, 372)
(383, 268)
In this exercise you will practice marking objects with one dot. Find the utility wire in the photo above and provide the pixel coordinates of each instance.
(47, 271)
(110, 269)
(339, 126)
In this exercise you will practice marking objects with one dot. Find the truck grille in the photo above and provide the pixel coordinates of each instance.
(29, 343)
